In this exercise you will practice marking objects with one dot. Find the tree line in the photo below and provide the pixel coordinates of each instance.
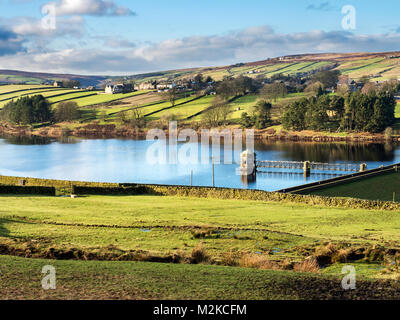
(36, 109)
(355, 112)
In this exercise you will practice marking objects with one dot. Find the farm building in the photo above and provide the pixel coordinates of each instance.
(163, 86)
(118, 88)
(146, 86)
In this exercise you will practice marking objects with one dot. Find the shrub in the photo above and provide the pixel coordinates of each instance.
(96, 190)
(308, 265)
(27, 110)
(67, 111)
(45, 191)
(199, 255)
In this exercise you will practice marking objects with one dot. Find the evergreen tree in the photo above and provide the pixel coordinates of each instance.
(262, 114)
(27, 110)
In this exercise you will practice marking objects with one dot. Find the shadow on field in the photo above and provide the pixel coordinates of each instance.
(4, 232)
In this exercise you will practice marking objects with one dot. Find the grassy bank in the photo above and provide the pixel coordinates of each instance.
(385, 188)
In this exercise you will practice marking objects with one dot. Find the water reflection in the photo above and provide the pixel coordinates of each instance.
(25, 140)
(116, 160)
(36, 140)
(331, 152)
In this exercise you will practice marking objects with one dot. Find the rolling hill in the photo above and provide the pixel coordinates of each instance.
(379, 66)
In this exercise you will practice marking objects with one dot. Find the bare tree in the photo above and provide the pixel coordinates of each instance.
(218, 112)
(314, 87)
(343, 90)
(136, 118)
(212, 117)
(172, 95)
(369, 87)
(273, 91)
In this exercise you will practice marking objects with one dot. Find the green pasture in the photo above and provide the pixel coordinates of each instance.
(162, 225)
(153, 111)
(188, 109)
(70, 95)
(383, 187)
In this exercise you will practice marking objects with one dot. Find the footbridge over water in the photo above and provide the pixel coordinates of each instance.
(249, 165)
(308, 166)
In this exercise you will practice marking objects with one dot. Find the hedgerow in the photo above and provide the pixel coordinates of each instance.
(88, 190)
(45, 191)
(259, 195)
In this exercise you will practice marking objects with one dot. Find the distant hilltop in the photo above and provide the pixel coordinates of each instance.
(379, 66)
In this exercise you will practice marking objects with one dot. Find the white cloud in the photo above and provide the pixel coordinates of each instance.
(90, 7)
(27, 26)
(244, 45)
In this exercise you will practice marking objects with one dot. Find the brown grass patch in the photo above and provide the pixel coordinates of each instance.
(308, 265)
(257, 261)
(199, 255)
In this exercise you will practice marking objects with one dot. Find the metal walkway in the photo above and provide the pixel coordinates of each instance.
(316, 166)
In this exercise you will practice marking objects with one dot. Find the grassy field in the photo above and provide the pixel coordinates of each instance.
(19, 79)
(104, 98)
(55, 95)
(291, 224)
(188, 109)
(69, 95)
(160, 227)
(5, 98)
(397, 110)
(384, 187)
(21, 279)
(154, 111)
(247, 103)
(380, 68)
(17, 87)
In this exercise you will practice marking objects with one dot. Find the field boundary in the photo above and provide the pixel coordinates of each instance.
(341, 180)
(116, 99)
(33, 92)
(176, 105)
(208, 108)
(75, 98)
(20, 90)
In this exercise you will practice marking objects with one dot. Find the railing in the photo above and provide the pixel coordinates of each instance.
(316, 166)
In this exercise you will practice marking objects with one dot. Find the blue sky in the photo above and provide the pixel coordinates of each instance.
(127, 37)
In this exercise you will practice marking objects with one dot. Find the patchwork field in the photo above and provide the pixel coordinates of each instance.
(153, 111)
(56, 95)
(18, 87)
(189, 109)
(379, 68)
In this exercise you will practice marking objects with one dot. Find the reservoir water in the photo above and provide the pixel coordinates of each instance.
(115, 160)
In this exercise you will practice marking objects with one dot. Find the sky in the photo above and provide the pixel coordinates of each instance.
(123, 37)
